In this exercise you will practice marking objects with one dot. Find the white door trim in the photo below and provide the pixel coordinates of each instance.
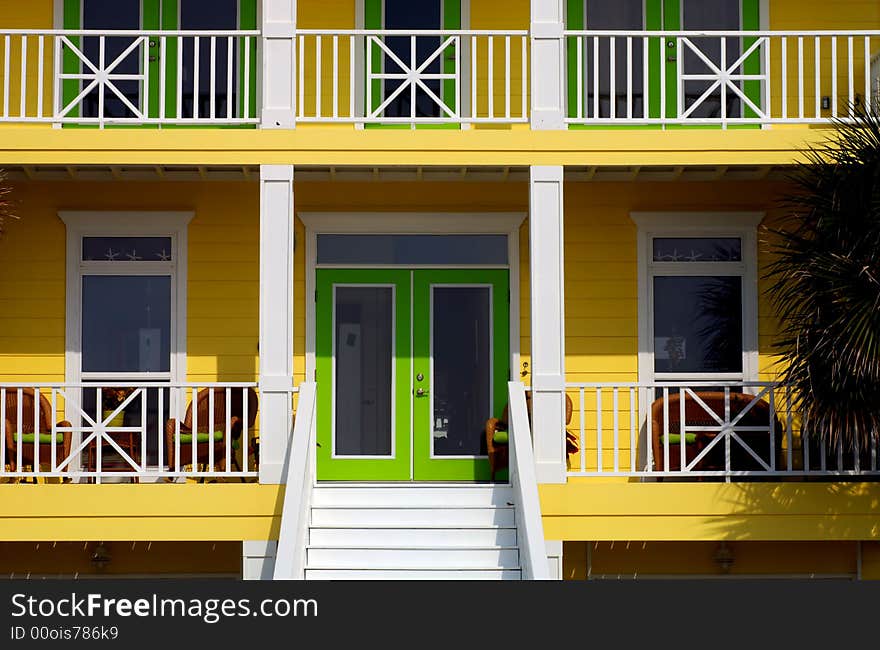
(439, 223)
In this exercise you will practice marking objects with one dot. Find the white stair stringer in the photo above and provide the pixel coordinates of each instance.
(412, 532)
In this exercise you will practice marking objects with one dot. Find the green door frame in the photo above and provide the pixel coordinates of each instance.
(412, 356)
(664, 15)
(374, 19)
(167, 18)
(427, 467)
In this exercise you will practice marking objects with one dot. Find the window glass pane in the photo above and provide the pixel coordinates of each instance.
(697, 249)
(103, 15)
(462, 362)
(412, 249)
(620, 15)
(706, 15)
(364, 353)
(126, 249)
(219, 15)
(126, 323)
(697, 324)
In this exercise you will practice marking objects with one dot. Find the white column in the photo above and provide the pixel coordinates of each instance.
(548, 64)
(276, 317)
(548, 322)
(554, 558)
(258, 559)
(278, 97)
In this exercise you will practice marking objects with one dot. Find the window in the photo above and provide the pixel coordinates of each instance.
(698, 296)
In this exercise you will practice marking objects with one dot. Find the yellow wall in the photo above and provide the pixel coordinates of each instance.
(223, 271)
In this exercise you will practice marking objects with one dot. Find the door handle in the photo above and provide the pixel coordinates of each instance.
(421, 392)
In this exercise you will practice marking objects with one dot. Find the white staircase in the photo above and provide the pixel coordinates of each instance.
(412, 532)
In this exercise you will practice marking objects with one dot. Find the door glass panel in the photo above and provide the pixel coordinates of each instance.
(704, 15)
(364, 353)
(126, 323)
(620, 15)
(102, 15)
(409, 15)
(219, 15)
(698, 324)
(462, 369)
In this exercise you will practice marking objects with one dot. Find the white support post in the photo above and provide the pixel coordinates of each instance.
(548, 64)
(554, 559)
(276, 317)
(548, 321)
(258, 559)
(278, 98)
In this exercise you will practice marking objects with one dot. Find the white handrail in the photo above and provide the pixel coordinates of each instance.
(290, 556)
(530, 528)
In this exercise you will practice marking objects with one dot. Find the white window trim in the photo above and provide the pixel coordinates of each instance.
(132, 224)
(696, 224)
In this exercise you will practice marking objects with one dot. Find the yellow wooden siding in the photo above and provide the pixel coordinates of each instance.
(35, 14)
(222, 287)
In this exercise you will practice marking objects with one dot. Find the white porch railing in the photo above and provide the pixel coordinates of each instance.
(290, 558)
(530, 528)
(718, 78)
(731, 430)
(137, 431)
(412, 77)
(128, 77)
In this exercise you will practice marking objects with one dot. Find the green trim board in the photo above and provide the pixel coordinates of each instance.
(662, 15)
(374, 19)
(164, 15)
(412, 416)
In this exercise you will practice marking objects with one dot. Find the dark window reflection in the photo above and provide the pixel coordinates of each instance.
(705, 15)
(126, 323)
(697, 249)
(102, 15)
(409, 15)
(620, 15)
(218, 15)
(462, 369)
(412, 249)
(364, 354)
(697, 324)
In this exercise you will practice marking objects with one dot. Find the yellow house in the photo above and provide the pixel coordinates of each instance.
(277, 265)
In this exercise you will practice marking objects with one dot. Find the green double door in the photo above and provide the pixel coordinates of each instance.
(409, 364)
(140, 75)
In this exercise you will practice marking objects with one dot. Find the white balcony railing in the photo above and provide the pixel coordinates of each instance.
(129, 77)
(718, 78)
(731, 431)
(135, 431)
(412, 77)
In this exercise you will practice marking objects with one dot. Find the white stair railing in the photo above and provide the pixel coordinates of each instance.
(530, 528)
(290, 556)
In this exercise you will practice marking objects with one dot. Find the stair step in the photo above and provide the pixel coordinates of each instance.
(413, 574)
(421, 495)
(412, 517)
(416, 537)
(404, 558)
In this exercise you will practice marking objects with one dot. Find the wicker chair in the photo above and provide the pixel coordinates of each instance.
(27, 430)
(497, 445)
(215, 432)
(696, 416)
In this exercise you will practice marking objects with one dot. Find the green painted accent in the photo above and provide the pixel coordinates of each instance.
(45, 438)
(247, 17)
(70, 87)
(394, 468)
(501, 438)
(671, 22)
(675, 438)
(654, 22)
(201, 437)
(426, 468)
(574, 20)
(374, 18)
(751, 18)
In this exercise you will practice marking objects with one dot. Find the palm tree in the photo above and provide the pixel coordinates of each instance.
(825, 284)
